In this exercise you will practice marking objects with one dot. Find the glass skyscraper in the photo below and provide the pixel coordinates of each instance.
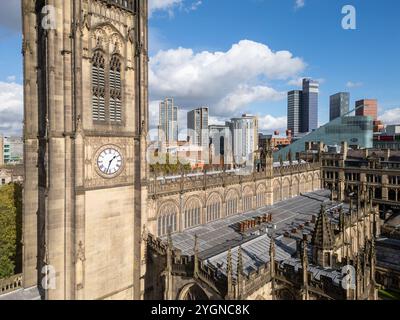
(244, 132)
(197, 122)
(309, 110)
(339, 105)
(303, 108)
(168, 126)
(295, 99)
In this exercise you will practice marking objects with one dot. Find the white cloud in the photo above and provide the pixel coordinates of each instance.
(163, 5)
(298, 82)
(244, 95)
(351, 84)
(224, 81)
(217, 121)
(195, 5)
(11, 108)
(170, 5)
(271, 123)
(11, 78)
(391, 116)
(299, 4)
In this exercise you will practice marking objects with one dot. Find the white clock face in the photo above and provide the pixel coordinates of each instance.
(109, 161)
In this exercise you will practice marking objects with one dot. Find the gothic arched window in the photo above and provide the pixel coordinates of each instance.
(232, 203)
(167, 219)
(260, 197)
(192, 213)
(247, 200)
(98, 87)
(115, 90)
(214, 208)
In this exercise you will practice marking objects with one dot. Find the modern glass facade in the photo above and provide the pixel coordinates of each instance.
(357, 131)
(13, 150)
(339, 105)
(197, 122)
(295, 99)
(244, 132)
(168, 126)
(309, 110)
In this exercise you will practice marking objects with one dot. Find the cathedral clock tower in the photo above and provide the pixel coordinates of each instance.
(85, 127)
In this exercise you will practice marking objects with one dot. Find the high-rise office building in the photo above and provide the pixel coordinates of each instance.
(303, 108)
(244, 133)
(221, 143)
(168, 125)
(339, 105)
(12, 150)
(197, 123)
(295, 99)
(367, 107)
(309, 110)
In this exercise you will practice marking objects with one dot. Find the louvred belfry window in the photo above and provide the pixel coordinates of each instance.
(98, 87)
(115, 90)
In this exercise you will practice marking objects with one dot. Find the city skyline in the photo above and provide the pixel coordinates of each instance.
(91, 209)
(253, 85)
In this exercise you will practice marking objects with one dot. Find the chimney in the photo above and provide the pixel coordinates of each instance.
(366, 153)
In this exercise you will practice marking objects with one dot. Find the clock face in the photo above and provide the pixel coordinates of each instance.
(109, 161)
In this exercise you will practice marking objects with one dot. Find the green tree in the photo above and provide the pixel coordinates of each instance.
(169, 168)
(10, 229)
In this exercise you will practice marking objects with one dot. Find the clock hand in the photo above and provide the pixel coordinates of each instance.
(109, 164)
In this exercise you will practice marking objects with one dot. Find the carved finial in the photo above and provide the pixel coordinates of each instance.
(229, 274)
(240, 263)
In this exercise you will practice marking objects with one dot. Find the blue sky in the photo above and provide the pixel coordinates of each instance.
(239, 56)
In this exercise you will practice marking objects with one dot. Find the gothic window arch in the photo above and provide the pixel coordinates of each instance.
(247, 199)
(167, 219)
(285, 189)
(232, 203)
(309, 187)
(213, 208)
(98, 87)
(295, 187)
(303, 184)
(260, 197)
(277, 191)
(192, 213)
(115, 89)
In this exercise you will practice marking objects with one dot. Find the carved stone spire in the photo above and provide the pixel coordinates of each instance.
(168, 271)
(229, 274)
(323, 237)
(196, 257)
(239, 271)
(240, 263)
(304, 264)
(272, 254)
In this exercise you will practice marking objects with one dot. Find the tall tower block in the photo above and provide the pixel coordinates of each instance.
(85, 128)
